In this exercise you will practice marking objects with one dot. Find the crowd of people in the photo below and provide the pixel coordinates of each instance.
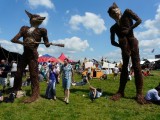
(5, 69)
(50, 72)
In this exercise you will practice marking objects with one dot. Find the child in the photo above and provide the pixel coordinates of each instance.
(51, 80)
(81, 83)
(95, 93)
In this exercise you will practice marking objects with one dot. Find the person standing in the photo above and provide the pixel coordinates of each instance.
(51, 80)
(13, 72)
(5, 69)
(123, 28)
(13, 68)
(115, 72)
(67, 77)
(89, 71)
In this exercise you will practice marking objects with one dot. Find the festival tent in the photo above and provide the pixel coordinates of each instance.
(10, 56)
(62, 57)
(52, 59)
(46, 58)
(43, 59)
(153, 60)
(46, 55)
(142, 62)
(95, 73)
(108, 65)
(88, 64)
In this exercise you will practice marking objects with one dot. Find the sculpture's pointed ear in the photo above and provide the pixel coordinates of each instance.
(115, 5)
(29, 14)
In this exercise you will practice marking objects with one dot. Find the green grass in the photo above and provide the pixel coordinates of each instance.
(81, 108)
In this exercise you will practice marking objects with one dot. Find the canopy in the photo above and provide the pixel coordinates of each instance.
(43, 59)
(62, 57)
(46, 58)
(46, 55)
(10, 56)
(142, 62)
(88, 64)
(52, 59)
(108, 65)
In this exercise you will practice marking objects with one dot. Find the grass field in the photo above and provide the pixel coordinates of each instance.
(80, 106)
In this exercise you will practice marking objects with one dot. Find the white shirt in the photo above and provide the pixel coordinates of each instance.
(116, 70)
(152, 95)
(14, 67)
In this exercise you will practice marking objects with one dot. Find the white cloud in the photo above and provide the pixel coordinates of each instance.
(8, 45)
(149, 37)
(67, 11)
(154, 43)
(45, 3)
(44, 14)
(151, 28)
(114, 55)
(72, 45)
(89, 21)
(91, 49)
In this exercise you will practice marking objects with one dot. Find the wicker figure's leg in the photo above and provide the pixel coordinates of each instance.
(34, 81)
(18, 76)
(137, 71)
(124, 73)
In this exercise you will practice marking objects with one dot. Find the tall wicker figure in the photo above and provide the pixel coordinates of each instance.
(30, 35)
(123, 28)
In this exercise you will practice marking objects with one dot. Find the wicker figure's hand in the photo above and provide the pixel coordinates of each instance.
(47, 44)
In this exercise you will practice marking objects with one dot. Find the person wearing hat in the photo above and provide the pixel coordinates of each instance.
(153, 95)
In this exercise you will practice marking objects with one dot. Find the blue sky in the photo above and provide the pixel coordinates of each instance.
(82, 25)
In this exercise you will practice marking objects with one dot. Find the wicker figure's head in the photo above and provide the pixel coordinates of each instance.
(35, 20)
(114, 11)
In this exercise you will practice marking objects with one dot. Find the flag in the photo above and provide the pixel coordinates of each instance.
(152, 51)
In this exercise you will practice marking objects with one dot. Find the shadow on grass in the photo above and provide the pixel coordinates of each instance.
(43, 96)
(87, 91)
(28, 92)
(107, 94)
(57, 98)
(81, 90)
